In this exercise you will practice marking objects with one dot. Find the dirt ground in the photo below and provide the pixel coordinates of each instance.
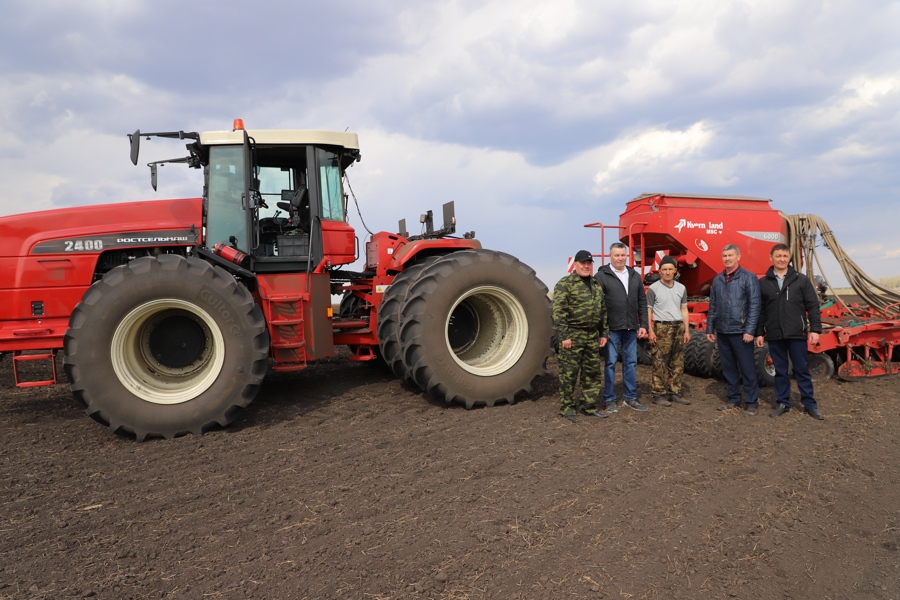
(339, 482)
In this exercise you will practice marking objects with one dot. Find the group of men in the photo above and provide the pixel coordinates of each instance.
(608, 312)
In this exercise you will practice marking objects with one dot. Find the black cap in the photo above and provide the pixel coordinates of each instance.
(668, 260)
(583, 256)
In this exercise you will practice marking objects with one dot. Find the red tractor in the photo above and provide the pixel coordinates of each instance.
(171, 312)
(857, 341)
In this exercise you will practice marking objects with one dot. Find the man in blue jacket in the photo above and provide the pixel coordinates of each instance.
(789, 317)
(731, 325)
(626, 311)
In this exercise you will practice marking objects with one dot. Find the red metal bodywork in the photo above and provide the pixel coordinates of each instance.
(387, 254)
(48, 260)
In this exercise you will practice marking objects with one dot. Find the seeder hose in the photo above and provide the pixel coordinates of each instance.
(803, 230)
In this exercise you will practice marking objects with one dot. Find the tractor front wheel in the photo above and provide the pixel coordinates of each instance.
(165, 346)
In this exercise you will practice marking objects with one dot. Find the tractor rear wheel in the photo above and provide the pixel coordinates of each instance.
(165, 346)
(389, 316)
(476, 328)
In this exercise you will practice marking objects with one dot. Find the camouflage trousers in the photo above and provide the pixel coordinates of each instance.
(584, 356)
(668, 359)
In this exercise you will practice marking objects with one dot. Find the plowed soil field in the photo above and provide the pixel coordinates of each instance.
(339, 482)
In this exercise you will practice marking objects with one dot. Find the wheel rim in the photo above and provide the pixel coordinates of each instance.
(486, 331)
(769, 365)
(167, 351)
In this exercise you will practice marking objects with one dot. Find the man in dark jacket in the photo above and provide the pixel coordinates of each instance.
(731, 325)
(788, 318)
(626, 307)
(580, 317)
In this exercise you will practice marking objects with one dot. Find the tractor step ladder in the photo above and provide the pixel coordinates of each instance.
(18, 356)
(284, 316)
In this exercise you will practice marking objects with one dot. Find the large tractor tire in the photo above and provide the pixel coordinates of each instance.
(389, 316)
(350, 305)
(476, 328)
(165, 346)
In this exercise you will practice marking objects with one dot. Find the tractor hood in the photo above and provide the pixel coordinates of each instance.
(57, 231)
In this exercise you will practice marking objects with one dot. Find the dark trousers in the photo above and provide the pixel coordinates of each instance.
(797, 351)
(738, 364)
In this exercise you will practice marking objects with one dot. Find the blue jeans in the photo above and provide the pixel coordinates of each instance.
(622, 342)
(798, 351)
(738, 365)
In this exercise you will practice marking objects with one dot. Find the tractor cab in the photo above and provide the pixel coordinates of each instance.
(273, 200)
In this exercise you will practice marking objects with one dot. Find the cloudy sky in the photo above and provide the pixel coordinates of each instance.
(535, 117)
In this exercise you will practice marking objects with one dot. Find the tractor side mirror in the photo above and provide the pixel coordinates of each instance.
(135, 146)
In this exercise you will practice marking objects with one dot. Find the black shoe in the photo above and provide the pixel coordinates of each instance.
(661, 400)
(728, 406)
(814, 413)
(750, 411)
(635, 405)
(779, 410)
(570, 415)
(678, 399)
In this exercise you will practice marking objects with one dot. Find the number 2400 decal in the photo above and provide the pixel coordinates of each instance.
(83, 245)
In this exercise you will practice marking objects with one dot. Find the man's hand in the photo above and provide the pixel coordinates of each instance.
(711, 337)
(566, 344)
(651, 336)
(748, 338)
(813, 338)
(642, 333)
(602, 342)
(760, 341)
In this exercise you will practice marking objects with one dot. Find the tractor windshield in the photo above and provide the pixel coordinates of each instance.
(226, 220)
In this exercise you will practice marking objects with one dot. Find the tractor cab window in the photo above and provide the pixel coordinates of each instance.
(330, 183)
(226, 220)
(282, 223)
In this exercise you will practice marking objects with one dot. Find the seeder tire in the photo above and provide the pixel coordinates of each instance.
(715, 363)
(165, 346)
(644, 353)
(821, 367)
(476, 328)
(698, 355)
(765, 369)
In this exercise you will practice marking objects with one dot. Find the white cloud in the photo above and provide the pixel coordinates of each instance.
(653, 149)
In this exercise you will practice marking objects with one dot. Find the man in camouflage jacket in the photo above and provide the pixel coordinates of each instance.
(579, 312)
